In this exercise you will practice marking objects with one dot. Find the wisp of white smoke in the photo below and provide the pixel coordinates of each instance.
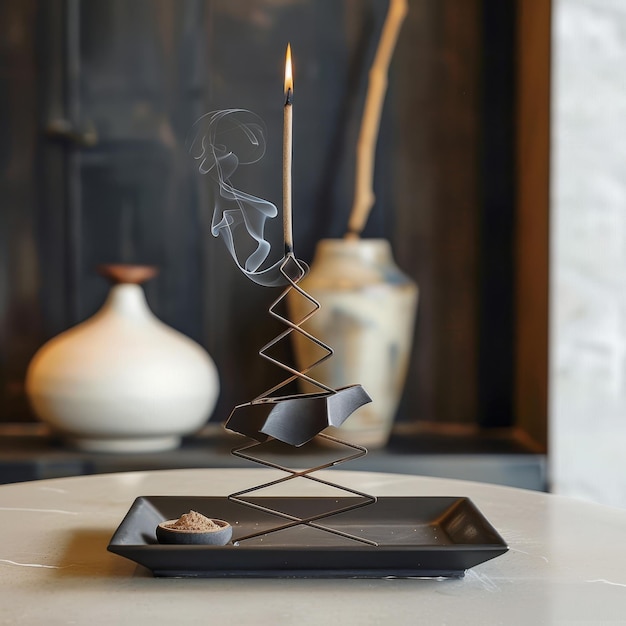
(221, 141)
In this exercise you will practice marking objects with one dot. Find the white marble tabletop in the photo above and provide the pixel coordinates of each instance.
(566, 561)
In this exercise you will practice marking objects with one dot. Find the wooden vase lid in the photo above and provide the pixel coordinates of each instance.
(120, 273)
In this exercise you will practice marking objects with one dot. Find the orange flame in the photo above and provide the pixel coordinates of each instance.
(288, 72)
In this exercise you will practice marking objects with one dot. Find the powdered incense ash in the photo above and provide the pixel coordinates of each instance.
(194, 528)
(194, 521)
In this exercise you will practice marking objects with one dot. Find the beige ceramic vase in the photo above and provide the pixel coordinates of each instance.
(123, 381)
(367, 317)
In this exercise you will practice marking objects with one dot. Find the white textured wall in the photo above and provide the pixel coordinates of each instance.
(588, 248)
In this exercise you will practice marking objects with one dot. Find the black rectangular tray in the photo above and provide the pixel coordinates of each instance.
(416, 536)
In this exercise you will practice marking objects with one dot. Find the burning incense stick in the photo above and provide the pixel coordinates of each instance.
(287, 153)
(366, 148)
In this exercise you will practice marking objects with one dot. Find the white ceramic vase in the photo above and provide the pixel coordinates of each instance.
(367, 317)
(123, 381)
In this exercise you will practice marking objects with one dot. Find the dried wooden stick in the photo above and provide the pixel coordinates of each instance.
(366, 148)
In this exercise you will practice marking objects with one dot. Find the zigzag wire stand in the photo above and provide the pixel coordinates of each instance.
(245, 452)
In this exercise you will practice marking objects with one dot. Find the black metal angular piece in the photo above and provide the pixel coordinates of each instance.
(295, 420)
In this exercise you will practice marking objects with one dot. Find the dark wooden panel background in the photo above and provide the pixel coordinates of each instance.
(139, 73)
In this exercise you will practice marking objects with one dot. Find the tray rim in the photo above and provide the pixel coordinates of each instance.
(488, 550)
